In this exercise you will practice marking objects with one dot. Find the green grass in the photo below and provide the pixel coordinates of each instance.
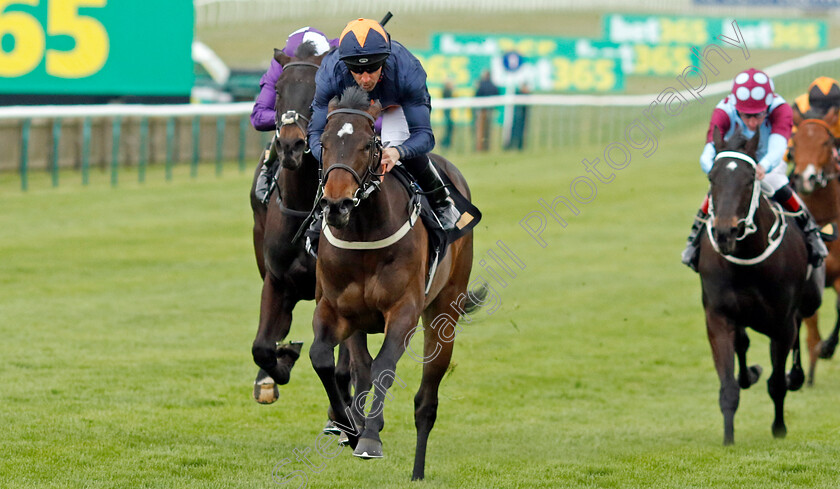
(126, 318)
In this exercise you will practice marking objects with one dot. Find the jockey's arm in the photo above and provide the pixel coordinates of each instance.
(781, 124)
(325, 89)
(263, 114)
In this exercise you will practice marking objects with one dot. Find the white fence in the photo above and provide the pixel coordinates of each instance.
(117, 135)
(211, 13)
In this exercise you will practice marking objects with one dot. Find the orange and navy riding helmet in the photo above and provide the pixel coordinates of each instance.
(364, 43)
(824, 93)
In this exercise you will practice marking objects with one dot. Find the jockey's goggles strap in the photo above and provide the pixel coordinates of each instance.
(352, 111)
(736, 155)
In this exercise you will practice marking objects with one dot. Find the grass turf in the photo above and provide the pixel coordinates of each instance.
(127, 315)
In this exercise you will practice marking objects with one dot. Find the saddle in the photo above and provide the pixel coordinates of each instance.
(439, 239)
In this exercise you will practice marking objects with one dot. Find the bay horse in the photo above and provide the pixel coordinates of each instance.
(287, 270)
(371, 278)
(754, 273)
(815, 177)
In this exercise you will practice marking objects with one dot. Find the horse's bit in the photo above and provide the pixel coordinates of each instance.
(369, 182)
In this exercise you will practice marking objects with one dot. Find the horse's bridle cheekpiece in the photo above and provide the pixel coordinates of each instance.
(369, 182)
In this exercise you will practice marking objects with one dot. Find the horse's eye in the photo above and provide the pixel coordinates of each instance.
(368, 146)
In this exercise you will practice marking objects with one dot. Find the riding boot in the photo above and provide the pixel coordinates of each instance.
(691, 253)
(813, 241)
(263, 186)
(438, 195)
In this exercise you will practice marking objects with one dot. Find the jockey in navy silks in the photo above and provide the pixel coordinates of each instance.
(367, 57)
(753, 106)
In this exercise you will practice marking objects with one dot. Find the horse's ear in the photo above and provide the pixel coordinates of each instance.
(281, 57)
(333, 104)
(717, 138)
(752, 144)
(831, 117)
(375, 108)
(797, 115)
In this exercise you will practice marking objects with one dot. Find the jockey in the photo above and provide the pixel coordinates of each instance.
(823, 95)
(752, 106)
(367, 57)
(263, 115)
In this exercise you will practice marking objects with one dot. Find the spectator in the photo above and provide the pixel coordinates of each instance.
(448, 124)
(483, 117)
(520, 115)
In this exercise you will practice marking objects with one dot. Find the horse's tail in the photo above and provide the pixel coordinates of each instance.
(476, 297)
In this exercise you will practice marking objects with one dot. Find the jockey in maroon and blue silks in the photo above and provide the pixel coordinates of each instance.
(368, 58)
(753, 106)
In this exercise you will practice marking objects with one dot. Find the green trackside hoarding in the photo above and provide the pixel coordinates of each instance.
(757, 33)
(130, 47)
(634, 58)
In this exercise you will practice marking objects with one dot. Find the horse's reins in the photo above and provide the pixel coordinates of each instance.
(780, 224)
(823, 179)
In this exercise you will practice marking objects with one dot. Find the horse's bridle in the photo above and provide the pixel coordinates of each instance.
(292, 116)
(749, 219)
(369, 182)
(823, 178)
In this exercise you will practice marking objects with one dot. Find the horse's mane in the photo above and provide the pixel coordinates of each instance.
(306, 50)
(352, 98)
(735, 142)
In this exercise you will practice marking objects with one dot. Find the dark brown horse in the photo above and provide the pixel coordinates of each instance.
(815, 177)
(754, 273)
(371, 270)
(288, 271)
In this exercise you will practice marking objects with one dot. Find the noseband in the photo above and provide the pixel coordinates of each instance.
(291, 116)
(369, 182)
(823, 178)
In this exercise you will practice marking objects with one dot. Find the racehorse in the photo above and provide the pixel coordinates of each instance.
(754, 272)
(815, 176)
(288, 271)
(371, 272)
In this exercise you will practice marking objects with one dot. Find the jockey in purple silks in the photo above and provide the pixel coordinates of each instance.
(263, 115)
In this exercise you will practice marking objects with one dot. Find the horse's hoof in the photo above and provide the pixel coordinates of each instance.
(368, 448)
(265, 389)
(331, 429)
(795, 379)
(343, 440)
(779, 431)
(827, 349)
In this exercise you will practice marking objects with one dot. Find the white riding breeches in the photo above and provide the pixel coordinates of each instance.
(774, 180)
(394, 127)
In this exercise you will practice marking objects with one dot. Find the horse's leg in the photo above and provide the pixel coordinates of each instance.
(777, 383)
(342, 378)
(437, 353)
(360, 367)
(747, 376)
(398, 323)
(722, 340)
(813, 341)
(830, 343)
(322, 354)
(796, 377)
(275, 320)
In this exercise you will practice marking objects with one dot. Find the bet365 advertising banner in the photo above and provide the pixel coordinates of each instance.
(132, 47)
